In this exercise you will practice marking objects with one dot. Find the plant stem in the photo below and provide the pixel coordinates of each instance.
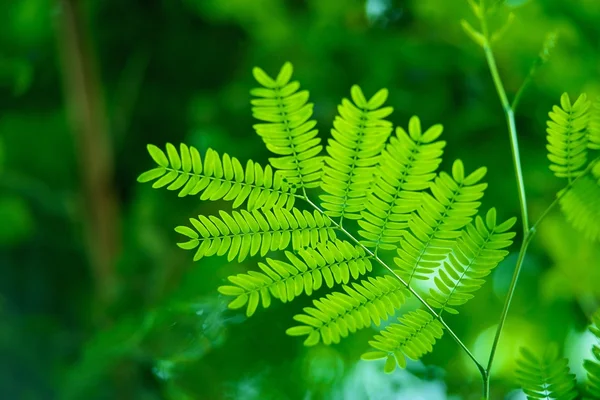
(509, 296)
(510, 122)
(528, 232)
(410, 289)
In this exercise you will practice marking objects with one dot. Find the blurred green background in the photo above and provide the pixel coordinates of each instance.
(97, 302)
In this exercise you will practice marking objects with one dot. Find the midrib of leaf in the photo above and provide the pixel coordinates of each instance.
(569, 143)
(260, 232)
(223, 180)
(302, 273)
(401, 180)
(359, 141)
(457, 283)
(348, 311)
(432, 236)
(404, 341)
(546, 377)
(284, 114)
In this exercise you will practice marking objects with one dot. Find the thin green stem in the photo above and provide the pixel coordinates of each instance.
(526, 83)
(526, 240)
(510, 122)
(514, 143)
(509, 296)
(528, 231)
(410, 289)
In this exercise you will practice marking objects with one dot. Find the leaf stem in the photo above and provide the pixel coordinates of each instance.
(510, 121)
(524, 245)
(410, 289)
(528, 231)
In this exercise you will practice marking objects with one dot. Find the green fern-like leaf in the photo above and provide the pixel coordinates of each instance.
(244, 233)
(330, 263)
(478, 250)
(568, 136)
(593, 366)
(407, 167)
(217, 178)
(437, 223)
(413, 337)
(581, 205)
(288, 130)
(338, 314)
(546, 377)
(359, 135)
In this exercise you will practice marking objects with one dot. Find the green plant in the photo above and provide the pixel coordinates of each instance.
(548, 376)
(385, 210)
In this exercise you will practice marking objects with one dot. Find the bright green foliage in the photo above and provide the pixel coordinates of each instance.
(408, 164)
(478, 250)
(332, 262)
(391, 186)
(593, 366)
(568, 136)
(581, 206)
(217, 178)
(436, 224)
(413, 337)
(288, 130)
(338, 314)
(545, 377)
(359, 135)
(572, 131)
(244, 233)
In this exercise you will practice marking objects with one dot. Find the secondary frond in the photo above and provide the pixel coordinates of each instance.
(413, 337)
(546, 377)
(408, 164)
(581, 205)
(437, 223)
(337, 315)
(593, 366)
(244, 233)
(478, 250)
(218, 177)
(288, 130)
(330, 263)
(568, 136)
(358, 136)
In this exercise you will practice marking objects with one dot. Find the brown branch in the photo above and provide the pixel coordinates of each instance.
(89, 125)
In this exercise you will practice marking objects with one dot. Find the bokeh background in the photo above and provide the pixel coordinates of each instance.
(97, 302)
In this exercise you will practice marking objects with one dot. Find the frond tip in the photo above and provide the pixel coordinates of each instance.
(568, 136)
(413, 337)
(546, 377)
(287, 129)
(407, 167)
(359, 135)
(330, 263)
(338, 314)
(240, 234)
(218, 177)
(438, 221)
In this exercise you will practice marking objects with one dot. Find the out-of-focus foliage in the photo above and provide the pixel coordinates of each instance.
(180, 72)
(546, 376)
(593, 366)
